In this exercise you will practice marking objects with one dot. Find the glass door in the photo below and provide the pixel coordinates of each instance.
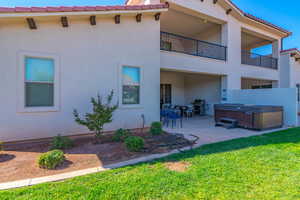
(165, 94)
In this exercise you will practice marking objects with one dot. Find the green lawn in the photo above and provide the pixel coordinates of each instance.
(260, 167)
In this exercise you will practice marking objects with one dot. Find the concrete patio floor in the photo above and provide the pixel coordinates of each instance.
(204, 128)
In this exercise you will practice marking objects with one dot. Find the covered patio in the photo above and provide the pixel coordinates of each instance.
(182, 88)
(204, 128)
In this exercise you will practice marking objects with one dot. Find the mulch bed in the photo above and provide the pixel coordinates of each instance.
(19, 162)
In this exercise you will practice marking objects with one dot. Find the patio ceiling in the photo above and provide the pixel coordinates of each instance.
(187, 25)
(250, 41)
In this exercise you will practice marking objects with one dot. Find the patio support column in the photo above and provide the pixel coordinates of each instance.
(234, 43)
(276, 46)
(224, 35)
(229, 82)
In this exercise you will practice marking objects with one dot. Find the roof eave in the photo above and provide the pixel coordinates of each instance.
(41, 14)
(79, 10)
(290, 51)
(282, 32)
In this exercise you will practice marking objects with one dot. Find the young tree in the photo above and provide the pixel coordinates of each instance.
(101, 115)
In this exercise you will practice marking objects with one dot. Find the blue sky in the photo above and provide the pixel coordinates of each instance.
(282, 13)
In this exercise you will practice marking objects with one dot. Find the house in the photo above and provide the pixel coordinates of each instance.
(149, 52)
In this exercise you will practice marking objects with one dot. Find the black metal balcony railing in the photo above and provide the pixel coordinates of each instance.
(249, 58)
(181, 44)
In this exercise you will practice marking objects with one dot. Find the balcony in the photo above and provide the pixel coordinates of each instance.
(176, 43)
(249, 58)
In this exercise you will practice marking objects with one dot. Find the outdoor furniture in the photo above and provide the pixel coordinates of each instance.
(182, 109)
(164, 117)
(189, 112)
(166, 106)
(200, 107)
(174, 117)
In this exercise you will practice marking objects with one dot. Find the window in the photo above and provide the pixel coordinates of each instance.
(131, 79)
(38, 85)
(39, 82)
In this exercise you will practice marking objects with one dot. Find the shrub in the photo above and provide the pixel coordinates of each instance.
(60, 142)
(121, 134)
(134, 143)
(101, 115)
(51, 159)
(1, 146)
(156, 128)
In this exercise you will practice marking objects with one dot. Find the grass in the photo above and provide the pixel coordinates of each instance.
(259, 167)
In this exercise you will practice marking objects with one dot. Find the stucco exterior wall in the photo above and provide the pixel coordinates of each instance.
(290, 71)
(90, 62)
(295, 72)
(295, 76)
(203, 87)
(285, 71)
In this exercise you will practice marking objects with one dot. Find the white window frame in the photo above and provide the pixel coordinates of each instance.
(21, 107)
(124, 106)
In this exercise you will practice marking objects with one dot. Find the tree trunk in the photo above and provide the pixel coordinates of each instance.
(97, 137)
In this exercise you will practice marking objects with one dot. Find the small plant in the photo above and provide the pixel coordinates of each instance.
(101, 115)
(60, 142)
(51, 159)
(156, 128)
(121, 134)
(1, 146)
(134, 143)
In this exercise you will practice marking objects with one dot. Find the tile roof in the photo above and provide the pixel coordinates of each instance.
(81, 8)
(289, 50)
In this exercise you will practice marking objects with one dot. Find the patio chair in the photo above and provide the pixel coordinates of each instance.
(189, 112)
(164, 117)
(174, 117)
(166, 106)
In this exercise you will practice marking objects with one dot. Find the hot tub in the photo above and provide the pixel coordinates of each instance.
(251, 116)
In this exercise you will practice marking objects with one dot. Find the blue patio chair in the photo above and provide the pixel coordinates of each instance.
(173, 116)
(166, 106)
(164, 117)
